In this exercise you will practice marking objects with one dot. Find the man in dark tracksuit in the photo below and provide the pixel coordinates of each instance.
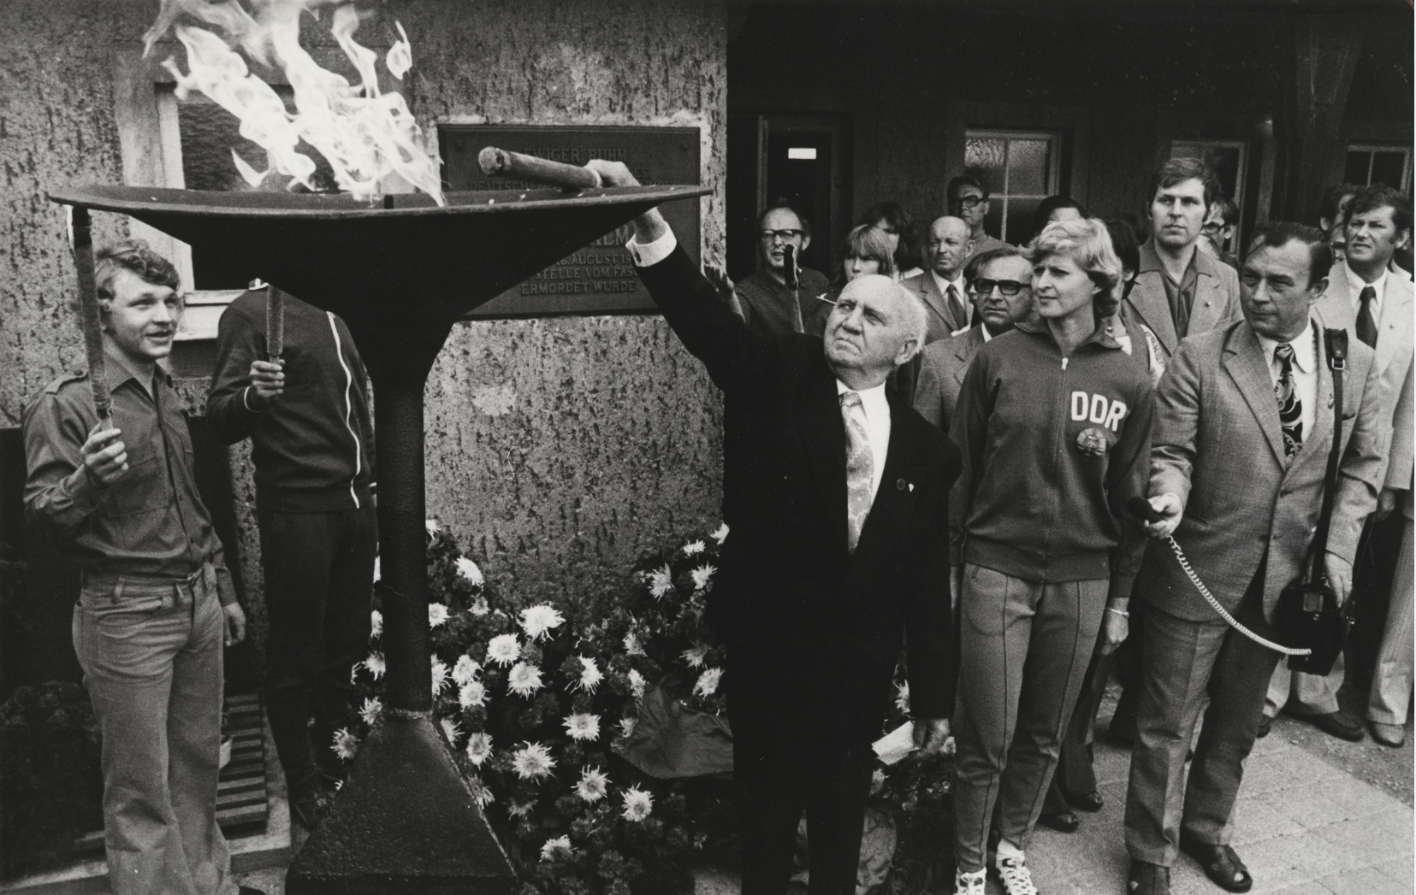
(307, 416)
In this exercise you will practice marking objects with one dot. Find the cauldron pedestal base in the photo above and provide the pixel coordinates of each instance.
(404, 806)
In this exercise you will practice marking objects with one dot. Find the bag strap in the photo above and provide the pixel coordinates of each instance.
(1336, 343)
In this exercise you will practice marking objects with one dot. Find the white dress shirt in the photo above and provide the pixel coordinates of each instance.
(875, 410)
(963, 295)
(1305, 372)
(1355, 285)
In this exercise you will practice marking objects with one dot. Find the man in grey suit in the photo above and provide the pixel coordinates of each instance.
(1004, 291)
(1374, 304)
(1180, 290)
(942, 286)
(1243, 429)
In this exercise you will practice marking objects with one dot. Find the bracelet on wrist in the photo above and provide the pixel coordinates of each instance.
(1121, 612)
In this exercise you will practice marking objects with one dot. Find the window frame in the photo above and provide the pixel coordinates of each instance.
(1055, 140)
(1371, 149)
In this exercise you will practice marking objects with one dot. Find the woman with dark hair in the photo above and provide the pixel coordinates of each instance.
(899, 227)
(1054, 423)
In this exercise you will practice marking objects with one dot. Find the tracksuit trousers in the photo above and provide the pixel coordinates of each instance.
(1024, 649)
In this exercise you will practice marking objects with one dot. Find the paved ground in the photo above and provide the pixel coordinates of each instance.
(1316, 816)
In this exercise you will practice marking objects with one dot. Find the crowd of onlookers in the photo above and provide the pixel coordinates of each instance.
(1115, 358)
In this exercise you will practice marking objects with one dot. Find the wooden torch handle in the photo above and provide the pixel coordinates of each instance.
(504, 163)
(90, 320)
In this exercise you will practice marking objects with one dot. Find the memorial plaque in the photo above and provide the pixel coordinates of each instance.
(600, 278)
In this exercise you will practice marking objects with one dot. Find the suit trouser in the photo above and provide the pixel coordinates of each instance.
(1024, 649)
(319, 573)
(151, 652)
(1391, 679)
(1182, 662)
(796, 752)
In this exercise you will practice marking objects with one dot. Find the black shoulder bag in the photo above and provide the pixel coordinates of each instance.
(1307, 615)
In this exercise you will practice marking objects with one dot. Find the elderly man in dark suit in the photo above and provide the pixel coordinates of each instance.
(1179, 289)
(840, 555)
(1243, 430)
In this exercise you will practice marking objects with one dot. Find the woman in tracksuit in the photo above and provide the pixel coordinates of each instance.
(1054, 424)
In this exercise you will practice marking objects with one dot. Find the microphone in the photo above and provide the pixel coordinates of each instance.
(789, 259)
(1142, 510)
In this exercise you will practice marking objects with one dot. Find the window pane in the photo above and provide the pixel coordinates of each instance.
(1356, 168)
(1029, 168)
(1387, 168)
(983, 160)
(1224, 161)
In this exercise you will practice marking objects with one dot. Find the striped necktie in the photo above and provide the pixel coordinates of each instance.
(1290, 408)
(957, 308)
(860, 467)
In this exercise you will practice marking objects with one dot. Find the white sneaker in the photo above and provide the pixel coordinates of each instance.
(1014, 873)
(969, 883)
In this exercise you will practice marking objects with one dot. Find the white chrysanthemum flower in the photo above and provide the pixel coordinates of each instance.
(521, 809)
(590, 676)
(480, 793)
(627, 726)
(452, 730)
(479, 607)
(582, 726)
(537, 621)
(556, 848)
(375, 665)
(523, 679)
(440, 677)
(694, 655)
(479, 748)
(703, 576)
(433, 526)
(721, 534)
(346, 744)
(877, 781)
(708, 682)
(902, 697)
(437, 614)
(468, 569)
(631, 645)
(465, 670)
(472, 695)
(504, 649)
(636, 684)
(661, 581)
(378, 571)
(693, 548)
(370, 712)
(532, 761)
(593, 786)
(375, 624)
(637, 805)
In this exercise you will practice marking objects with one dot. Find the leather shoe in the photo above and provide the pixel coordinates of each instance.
(1062, 821)
(1147, 879)
(1336, 724)
(1220, 863)
(1265, 725)
(1389, 735)
(1090, 802)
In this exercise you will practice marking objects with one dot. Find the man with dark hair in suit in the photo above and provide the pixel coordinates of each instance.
(1243, 430)
(1374, 304)
(840, 554)
(1179, 289)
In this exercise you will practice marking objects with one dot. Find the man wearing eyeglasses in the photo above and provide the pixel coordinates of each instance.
(1220, 223)
(1003, 288)
(969, 200)
(783, 297)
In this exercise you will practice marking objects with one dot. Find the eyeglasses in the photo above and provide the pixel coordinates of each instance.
(783, 235)
(970, 201)
(1009, 288)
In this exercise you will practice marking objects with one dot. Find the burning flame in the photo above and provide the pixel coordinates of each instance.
(363, 133)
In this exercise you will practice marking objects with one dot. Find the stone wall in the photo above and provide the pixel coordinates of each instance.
(557, 449)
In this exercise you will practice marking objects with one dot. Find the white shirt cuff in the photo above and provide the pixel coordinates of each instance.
(654, 252)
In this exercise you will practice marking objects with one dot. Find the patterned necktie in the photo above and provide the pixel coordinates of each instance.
(1290, 409)
(860, 467)
(1366, 323)
(956, 306)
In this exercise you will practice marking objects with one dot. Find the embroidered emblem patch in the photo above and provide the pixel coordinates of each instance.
(1092, 440)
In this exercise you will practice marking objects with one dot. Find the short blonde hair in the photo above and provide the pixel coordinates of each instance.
(1088, 243)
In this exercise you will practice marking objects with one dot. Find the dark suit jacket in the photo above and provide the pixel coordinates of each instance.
(789, 589)
(944, 319)
(942, 366)
(1218, 445)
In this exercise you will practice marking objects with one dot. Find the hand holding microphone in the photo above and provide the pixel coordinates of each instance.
(1160, 515)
